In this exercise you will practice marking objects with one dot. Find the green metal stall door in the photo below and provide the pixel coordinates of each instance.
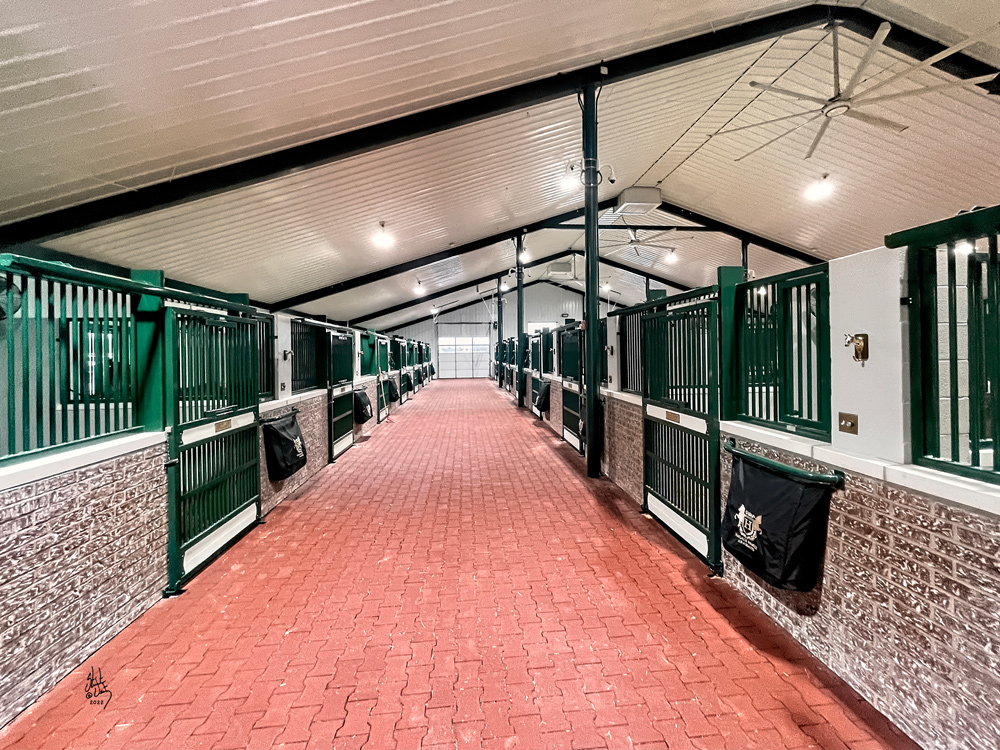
(681, 425)
(340, 401)
(574, 403)
(213, 472)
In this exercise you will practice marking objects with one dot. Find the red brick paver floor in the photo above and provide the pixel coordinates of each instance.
(456, 581)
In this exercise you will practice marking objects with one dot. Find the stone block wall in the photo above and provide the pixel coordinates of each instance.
(621, 459)
(553, 417)
(908, 608)
(314, 422)
(84, 554)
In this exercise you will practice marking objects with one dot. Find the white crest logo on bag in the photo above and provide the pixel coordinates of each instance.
(747, 527)
(298, 447)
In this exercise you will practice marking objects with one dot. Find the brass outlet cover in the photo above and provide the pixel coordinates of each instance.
(848, 423)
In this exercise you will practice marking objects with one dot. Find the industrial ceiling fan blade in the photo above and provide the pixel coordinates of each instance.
(767, 122)
(836, 60)
(923, 65)
(819, 136)
(966, 83)
(778, 138)
(787, 92)
(878, 122)
(873, 47)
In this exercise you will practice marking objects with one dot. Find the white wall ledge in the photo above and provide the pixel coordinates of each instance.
(628, 398)
(940, 485)
(71, 459)
(281, 403)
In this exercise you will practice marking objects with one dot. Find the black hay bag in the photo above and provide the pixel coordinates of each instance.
(362, 407)
(284, 447)
(542, 399)
(391, 390)
(775, 524)
(406, 383)
(419, 377)
(433, 371)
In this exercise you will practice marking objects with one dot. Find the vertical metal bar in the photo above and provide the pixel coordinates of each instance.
(519, 250)
(592, 370)
(39, 377)
(993, 351)
(953, 353)
(11, 446)
(53, 364)
(26, 364)
(977, 396)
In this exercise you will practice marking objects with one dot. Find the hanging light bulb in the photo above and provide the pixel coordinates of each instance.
(523, 257)
(671, 256)
(434, 311)
(504, 287)
(820, 189)
(382, 238)
(419, 289)
(605, 287)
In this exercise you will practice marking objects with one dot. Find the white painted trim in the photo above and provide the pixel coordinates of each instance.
(343, 444)
(534, 410)
(340, 390)
(678, 524)
(205, 548)
(365, 380)
(269, 406)
(629, 398)
(570, 438)
(697, 424)
(383, 414)
(552, 378)
(567, 385)
(34, 470)
(939, 485)
(197, 308)
(204, 431)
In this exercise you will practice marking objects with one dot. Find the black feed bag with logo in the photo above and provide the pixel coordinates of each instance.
(542, 399)
(362, 407)
(284, 448)
(775, 524)
(391, 391)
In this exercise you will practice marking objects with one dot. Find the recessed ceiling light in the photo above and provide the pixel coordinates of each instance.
(671, 256)
(820, 189)
(571, 178)
(419, 289)
(382, 238)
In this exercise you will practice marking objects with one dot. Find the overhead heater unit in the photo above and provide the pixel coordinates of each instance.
(636, 201)
(561, 270)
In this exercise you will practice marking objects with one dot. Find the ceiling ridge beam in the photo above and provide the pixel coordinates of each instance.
(417, 263)
(331, 149)
(743, 234)
(496, 276)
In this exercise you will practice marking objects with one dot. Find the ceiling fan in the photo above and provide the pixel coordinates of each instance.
(667, 252)
(855, 105)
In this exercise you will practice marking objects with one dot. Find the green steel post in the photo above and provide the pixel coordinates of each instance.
(500, 363)
(745, 256)
(729, 277)
(149, 324)
(519, 249)
(592, 368)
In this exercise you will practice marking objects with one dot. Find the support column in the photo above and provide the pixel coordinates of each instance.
(591, 316)
(746, 259)
(518, 249)
(499, 348)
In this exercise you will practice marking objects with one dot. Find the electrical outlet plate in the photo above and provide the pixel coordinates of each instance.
(848, 423)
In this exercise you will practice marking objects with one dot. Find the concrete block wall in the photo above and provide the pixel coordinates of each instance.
(553, 417)
(908, 609)
(84, 553)
(621, 459)
(315, 425)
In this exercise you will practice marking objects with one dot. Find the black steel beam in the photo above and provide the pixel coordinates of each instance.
(417, 263)
(742, 234)
(457, 288)
(625, 227)
(640, 272)
(333, 148)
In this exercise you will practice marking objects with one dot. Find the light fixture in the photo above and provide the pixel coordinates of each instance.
(419, 289)
(964, 248)
(762, 291)
(671, 256)
(434, 311)
(523, 257)
(571, 178)
(820, 189)
(382, 238)
(605, 287)
(504, 287)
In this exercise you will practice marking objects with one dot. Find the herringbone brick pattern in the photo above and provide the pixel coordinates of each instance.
(456, 581)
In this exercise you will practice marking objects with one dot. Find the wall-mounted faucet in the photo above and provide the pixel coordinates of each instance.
(860, 343)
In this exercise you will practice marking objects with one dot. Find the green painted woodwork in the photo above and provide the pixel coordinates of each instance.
(309, 356)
